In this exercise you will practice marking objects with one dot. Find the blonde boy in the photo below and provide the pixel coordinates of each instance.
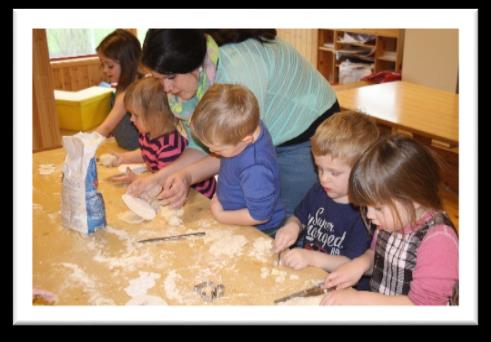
(333, 229)
(226, 120)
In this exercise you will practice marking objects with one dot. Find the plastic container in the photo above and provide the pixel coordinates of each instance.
(83, 110)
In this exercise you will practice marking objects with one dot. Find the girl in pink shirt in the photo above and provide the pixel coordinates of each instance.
(159, 140)
(413, 258)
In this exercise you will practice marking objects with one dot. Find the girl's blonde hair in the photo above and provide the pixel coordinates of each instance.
(396, 168)
(146, 96)
(344, 135)
(226, 114)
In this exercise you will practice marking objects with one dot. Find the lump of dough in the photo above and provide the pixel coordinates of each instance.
(139, 207)
(108, 159)
(172, 216)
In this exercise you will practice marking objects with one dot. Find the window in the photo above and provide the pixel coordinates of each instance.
(64, 43)
(141, 34)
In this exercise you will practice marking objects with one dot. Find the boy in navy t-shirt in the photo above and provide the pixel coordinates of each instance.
(226, 120)
(333, 230)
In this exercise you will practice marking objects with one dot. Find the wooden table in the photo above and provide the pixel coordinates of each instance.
(427, 113)
(111, 267)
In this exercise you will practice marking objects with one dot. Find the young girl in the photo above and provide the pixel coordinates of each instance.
(159, 141)
(414, 254)
(119, 54)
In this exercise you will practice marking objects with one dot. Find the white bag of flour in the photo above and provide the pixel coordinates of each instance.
(82, 207)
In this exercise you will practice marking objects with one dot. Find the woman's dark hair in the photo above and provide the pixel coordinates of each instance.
(180, 51)
(227, 36)
(173, 51)
(123, 47)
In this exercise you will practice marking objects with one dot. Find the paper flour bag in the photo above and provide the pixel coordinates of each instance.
(82, 207)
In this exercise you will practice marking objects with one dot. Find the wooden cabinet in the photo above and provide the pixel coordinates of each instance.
(386, 44)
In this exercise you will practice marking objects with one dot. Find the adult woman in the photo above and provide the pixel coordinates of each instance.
(293, 98)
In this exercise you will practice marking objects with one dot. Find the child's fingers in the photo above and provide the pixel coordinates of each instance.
(120, 179)
(344, 285)
(279, 243)
(330, 280)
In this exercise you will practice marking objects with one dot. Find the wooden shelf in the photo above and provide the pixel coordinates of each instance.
(387, 48)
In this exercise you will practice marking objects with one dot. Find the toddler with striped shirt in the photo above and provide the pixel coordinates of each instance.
(160, 141)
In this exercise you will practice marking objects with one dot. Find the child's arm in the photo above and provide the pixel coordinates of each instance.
(299, 258)
(126, 158)
(176, 177)
(288, 234)
(351, 296)
(350, 273)
(240, 217)
(114, 117)
(129, 157)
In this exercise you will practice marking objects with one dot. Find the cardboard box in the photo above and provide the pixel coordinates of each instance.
(83, 110)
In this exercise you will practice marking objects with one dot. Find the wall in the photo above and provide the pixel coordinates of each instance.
(304, 40)
(431, 58)
(76, 74)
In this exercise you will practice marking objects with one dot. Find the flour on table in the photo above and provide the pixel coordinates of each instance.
(172, 216)
(204, 223)
(314, 300)
(139, 207)
(130, 217)
(280, 275)
(146, 300)
(46, 169)
(89, 285)
(293, 277)
(170, 286)
(264, 272)
(139, 286)
(108, 159)
(262, 249)
(132, 258)
(121, 234)
(228, 245)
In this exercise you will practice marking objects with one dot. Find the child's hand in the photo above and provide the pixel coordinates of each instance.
(347, 296)
(285, 237)
(345, 276)
(296, 258)
(216, 207)
(111, 159)
(124, 178)
(119, 159)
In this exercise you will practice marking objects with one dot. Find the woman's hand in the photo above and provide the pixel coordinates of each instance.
(285, 237)
(176, 189)
(296, 258)
(142, 184)
(216, 207)
(347, 296)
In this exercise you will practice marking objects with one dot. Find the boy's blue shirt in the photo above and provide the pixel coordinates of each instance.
(252, 180)
(332, 228)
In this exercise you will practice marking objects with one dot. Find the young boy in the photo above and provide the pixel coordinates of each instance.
(333, 230)
(226, 120)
